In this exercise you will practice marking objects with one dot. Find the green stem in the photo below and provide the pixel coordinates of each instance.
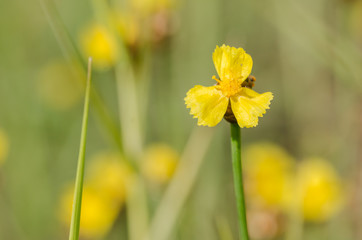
(238, 179)
(129, 113)
(137, 212)
(77, 201)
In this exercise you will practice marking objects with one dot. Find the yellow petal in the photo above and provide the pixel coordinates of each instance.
(207, 104)
(232, 63)
(248, 105)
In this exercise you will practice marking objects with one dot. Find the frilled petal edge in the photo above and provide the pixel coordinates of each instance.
(249, 105)
(207, 104)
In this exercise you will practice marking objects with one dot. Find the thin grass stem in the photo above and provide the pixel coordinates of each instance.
(77, 201)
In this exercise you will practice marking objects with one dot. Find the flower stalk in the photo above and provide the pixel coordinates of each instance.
(238, 180)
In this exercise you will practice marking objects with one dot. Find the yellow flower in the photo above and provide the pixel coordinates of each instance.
(209, 104)
(319, 188)
(269, 171)
(108, 174)
(97, 42)
(159, 163)
(97, 215)
(58, 87)
(4, 147)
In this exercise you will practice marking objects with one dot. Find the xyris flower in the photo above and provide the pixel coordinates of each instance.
(96, 41)
(229, 96)
(58, 86)
(109, 174)
(98, 212)
(320, 189)
(269, 172)
(159, 163)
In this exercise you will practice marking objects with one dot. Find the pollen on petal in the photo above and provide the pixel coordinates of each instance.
(249, 105)
(207, 104)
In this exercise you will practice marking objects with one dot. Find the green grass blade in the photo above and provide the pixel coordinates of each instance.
(77, 201)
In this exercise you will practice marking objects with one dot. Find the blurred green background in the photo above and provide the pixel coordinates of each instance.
(307, 53)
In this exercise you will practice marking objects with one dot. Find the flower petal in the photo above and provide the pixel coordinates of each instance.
(248, 105)
(232, 63)
(207, 104)
(247, 65)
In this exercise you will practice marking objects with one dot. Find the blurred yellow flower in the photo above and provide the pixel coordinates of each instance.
(97, 215)
(109, 175)
(320, 189)
(159, 162)
(4, 146)
(103, 194)
(128, 26)
(209, 104)
(97, 42)
(147, 7)
(269, 172)
(58, 87)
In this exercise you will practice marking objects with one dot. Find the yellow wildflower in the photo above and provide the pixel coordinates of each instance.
(159, 162)
(97, 215)
(319, 188)
(4, 146)
(108, 174)
(59, 88)
(209, 104)
(97, 42)
(269, 171)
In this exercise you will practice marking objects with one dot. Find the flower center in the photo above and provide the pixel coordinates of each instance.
(228, 87)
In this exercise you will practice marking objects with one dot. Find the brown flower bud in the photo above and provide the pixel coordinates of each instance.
(229, 115)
